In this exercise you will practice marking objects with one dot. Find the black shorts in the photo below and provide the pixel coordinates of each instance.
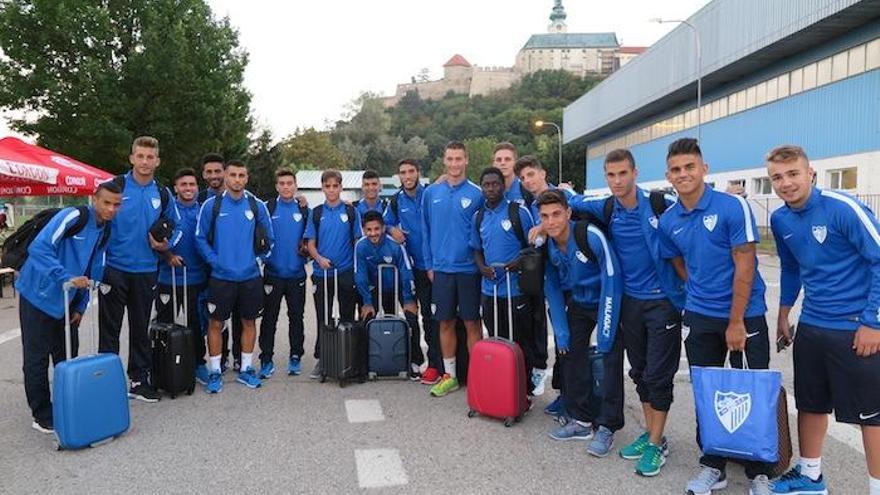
(829, 376)
(245, 298)
(456, 295)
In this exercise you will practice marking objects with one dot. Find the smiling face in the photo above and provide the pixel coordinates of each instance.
(186, 188)
(409, 176)
(371, 188)
(455, 161)
(533, 179)
(686, 173)
(106, 203)
(555, 218)
(792, 180)
(373, 231)
(144, 161)
(212, 174)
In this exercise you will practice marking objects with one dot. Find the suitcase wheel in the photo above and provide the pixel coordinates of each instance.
(508, 422)
(373, 376)
(173, 396)
(471, 413)
(341, 383)
(323, 378)
(362, 379)
(191, 390)
(518, 419)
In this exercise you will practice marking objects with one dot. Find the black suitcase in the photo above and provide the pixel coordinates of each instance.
(173, 348)
(389, 336)
(343, 351)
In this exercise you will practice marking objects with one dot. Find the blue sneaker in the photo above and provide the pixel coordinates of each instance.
(572, 431)
(293, 366)
(556, 408)
(223, 368)
(794, 482)
(603, 439)
(215, 383)
(267, 370)
(202, 374)
(249, 378)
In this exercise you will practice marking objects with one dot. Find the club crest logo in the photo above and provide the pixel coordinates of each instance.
(105, 288)
(387, 259)
(212, 307)
(249, 214)
(343, 217)
(580, 256)
(164, 298)
(654, 222)
(268, 289)
(297, 217)
(465, 202)
(505, 224)
(156, 202)
(820, 232)
(433, 309)
(709, 221)
(732, 409)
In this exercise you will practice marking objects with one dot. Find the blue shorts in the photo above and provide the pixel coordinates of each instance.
(226, 297)
(456, 295)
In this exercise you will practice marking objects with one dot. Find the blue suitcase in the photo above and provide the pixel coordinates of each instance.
(89, 395)
(388, 337)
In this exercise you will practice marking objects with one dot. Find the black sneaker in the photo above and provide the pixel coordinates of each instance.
(43, 426)
(144, 392)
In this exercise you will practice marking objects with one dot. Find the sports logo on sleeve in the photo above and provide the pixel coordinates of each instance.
(820, 232)
(653, 221)
(156, 202)
(465, 202)
(297, 217)
(249, 214)
(732, 409)
(709, 221)
(505, 224)
(343, 217)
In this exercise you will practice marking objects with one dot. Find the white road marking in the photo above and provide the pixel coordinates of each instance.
(847, 434)
(363, 411)
(10, 335)
(378, 468)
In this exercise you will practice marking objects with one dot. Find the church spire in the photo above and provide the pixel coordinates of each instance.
(557, 18)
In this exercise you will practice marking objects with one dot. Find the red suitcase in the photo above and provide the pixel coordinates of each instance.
(497, 374)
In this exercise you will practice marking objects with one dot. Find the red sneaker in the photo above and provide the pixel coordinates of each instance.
(430, 377)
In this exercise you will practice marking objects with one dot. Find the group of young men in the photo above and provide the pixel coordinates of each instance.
(646, 270)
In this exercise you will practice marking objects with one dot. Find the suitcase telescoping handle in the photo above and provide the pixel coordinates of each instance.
(380, 312)
(335, 297)
(68, 338)
(509, 301)
(174, 297)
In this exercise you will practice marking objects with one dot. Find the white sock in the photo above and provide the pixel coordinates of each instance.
(449, 364)
(811, 467)
(874, 484)
(247, 359)
(416, 368)
(214, 363)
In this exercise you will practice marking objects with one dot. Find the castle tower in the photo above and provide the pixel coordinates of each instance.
(457, 69)
(557, 18)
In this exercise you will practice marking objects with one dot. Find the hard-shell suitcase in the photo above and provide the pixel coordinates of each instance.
(173, 343)
(343, 344)
(89, 394)
(388, 336)
(497, 374)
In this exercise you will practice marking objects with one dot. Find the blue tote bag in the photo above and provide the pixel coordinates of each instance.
(736, 411)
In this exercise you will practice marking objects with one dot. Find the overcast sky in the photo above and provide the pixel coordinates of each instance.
(309, 58)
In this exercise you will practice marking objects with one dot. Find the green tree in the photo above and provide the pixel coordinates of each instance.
(90, 76)
(263, 159)
(310, 149)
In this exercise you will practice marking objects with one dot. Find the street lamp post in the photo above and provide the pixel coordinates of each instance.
(699, 65)
(541, 123)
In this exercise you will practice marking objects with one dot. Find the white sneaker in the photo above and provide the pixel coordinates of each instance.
(539, 376)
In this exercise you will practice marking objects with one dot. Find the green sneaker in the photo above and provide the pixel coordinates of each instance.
(635, 450)
(651, 461)
(447, 384)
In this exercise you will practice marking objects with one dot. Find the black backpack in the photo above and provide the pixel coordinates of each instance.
(15, 248)
(658, 206)
(383, 203)
(261, 237)
(318, 211)
(528, 197)
(515, 221)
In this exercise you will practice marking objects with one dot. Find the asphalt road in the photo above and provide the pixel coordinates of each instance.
(295, 435)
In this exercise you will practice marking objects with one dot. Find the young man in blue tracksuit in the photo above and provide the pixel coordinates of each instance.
(447, 212)
(403, 221)
(497, 237)
(185, 256)
(233, 237)
(377, 248)
(653, 298)
(504, 159)
(371, 186)
(829, 244)
(285, 275)
(55, 256)
(332, 230)
(583, 289)
(129, 281)
(710, 237)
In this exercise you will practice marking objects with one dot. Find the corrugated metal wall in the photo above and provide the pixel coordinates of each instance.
(729, 30)
(833, 120)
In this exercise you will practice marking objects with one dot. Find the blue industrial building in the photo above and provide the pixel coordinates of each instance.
(803, 72)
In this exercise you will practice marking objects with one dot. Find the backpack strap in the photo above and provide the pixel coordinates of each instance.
(528, 197)
(316, 219)
(580, 238)
(657, 197)
(608, 211)
(352, 219)
(516, 222)
(272, 205)
(303, 210)
(394, 206)
(81, 221)
(478, 221)
(215, 212)
(255, 209)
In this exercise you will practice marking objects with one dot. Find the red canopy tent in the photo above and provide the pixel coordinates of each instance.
(29, 170)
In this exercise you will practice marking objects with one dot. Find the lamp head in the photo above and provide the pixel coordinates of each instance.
(539, 123)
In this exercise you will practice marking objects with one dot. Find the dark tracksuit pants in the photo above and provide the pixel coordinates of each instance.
(432, 332)
(416, 356)
(652, 339)
(523, 326)
(706, 345)
(293, 290)
(611, 410)
(539, 329)
(136, 292)
(346, 294)
(165, 314)
(236, 339)
(42, 337)
(577, 378)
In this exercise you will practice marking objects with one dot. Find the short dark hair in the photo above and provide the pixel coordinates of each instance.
(506, 145)
(552, 197)
(234, 163)
(285, 172)
(213, 157)
(372, 216)
(184, 172)
(620, 155)
(370, 174)
(526, 162)
(684, 146)
(408, 161)
(109, 186)
(489, 171)
(455, 145)
(331, 174)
